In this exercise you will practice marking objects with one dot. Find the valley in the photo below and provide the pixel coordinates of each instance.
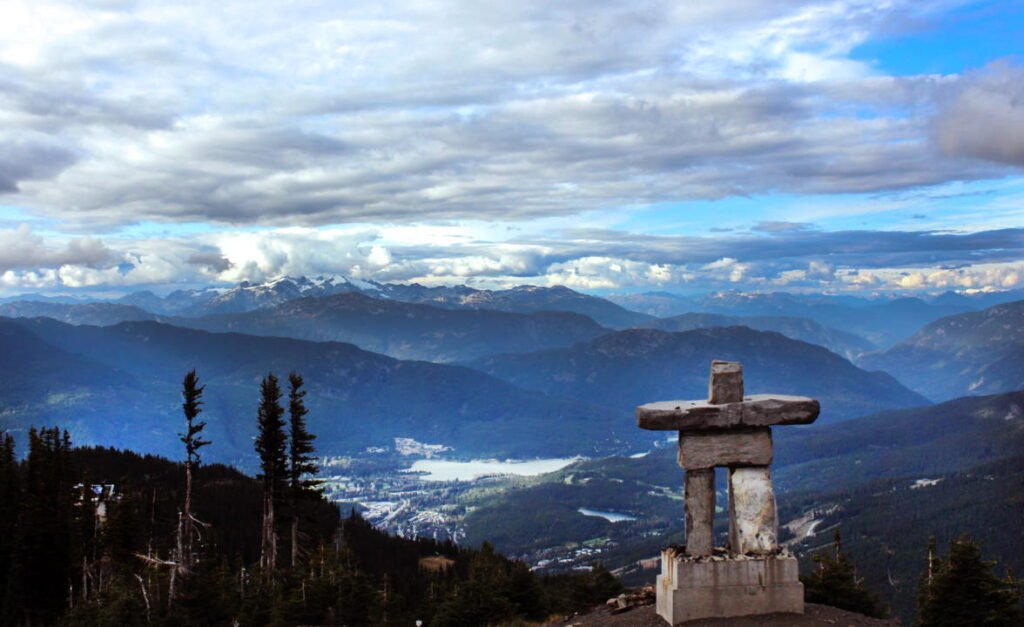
(443, 419)
(511, 314)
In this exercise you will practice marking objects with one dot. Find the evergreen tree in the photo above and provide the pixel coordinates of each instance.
(302, 465)
(10, 500)
(271, 444)
(192, 406)
(963, 590)
(834, 582)
(41, 579)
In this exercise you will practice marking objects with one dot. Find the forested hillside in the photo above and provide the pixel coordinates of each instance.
(839, 342)
(117, 387)
(815, 470)
(88, 536)
(627, 368)
(972, 353)
(886, 524)
(406, 330)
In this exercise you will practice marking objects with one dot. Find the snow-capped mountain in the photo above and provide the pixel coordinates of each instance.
(247, 297)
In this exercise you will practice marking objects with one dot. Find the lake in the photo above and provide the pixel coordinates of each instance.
(609, 516)
(447, 470)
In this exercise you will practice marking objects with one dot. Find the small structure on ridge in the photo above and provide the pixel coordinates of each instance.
(752, 575)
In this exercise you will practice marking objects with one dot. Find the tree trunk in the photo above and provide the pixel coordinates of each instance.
(186, 557)
(295, 538)
(268, 558)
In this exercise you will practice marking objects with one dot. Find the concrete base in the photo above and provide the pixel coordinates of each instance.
(692, 589)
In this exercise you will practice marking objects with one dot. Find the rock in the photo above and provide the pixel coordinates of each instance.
(700, 511)
(753, 518)
(735, 447)
(759, 410)
(726, 382)
(694, 591)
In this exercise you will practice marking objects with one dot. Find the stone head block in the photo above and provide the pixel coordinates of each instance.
(726, 382)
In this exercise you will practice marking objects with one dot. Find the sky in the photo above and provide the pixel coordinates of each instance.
(858, 146)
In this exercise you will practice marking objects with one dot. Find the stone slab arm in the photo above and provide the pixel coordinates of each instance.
(759, 410)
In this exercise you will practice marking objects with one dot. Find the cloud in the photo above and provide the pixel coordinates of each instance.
(23, 159)
(596, 273)
(820, 270)
(21, 249)
(228, 113)
(777, 226)
(590, 259)
(849, 248)
(213, 261)
(438, 141)
(985, 117)
(982, 277)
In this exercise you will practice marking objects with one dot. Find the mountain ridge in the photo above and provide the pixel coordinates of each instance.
(357, 398)
(845, 344)
(404, 330)
(978, 352)
(627, 368)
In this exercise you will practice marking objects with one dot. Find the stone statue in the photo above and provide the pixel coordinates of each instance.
(733, 431)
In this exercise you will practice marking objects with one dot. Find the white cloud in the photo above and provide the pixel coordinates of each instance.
(243, 113)
(446, 141)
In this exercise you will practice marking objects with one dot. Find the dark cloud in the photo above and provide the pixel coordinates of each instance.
(20, 248)
(213, 261)
(27, 160)
(860, 249)
(985, 117)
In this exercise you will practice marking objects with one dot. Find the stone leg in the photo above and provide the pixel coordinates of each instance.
(753, 519)
(700, 511)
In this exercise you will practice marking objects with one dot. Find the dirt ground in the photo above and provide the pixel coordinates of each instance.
(814, 615)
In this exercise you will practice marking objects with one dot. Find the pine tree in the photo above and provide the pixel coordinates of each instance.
(192, 395)
(834, 582)
(10, 500)
(301, 462)
(271, 443)
(42, 562)
(964, 591)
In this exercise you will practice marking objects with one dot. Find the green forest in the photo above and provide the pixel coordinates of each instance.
(98, 536)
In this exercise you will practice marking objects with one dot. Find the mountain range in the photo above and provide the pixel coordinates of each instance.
(627, 368)
(97, 313)
(248, 296)
(972, 353)
(968, 353)
(406, 330)
(848, 345)
(883, 322)
(120, 385)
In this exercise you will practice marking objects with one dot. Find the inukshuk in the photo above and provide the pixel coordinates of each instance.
(733, 431)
